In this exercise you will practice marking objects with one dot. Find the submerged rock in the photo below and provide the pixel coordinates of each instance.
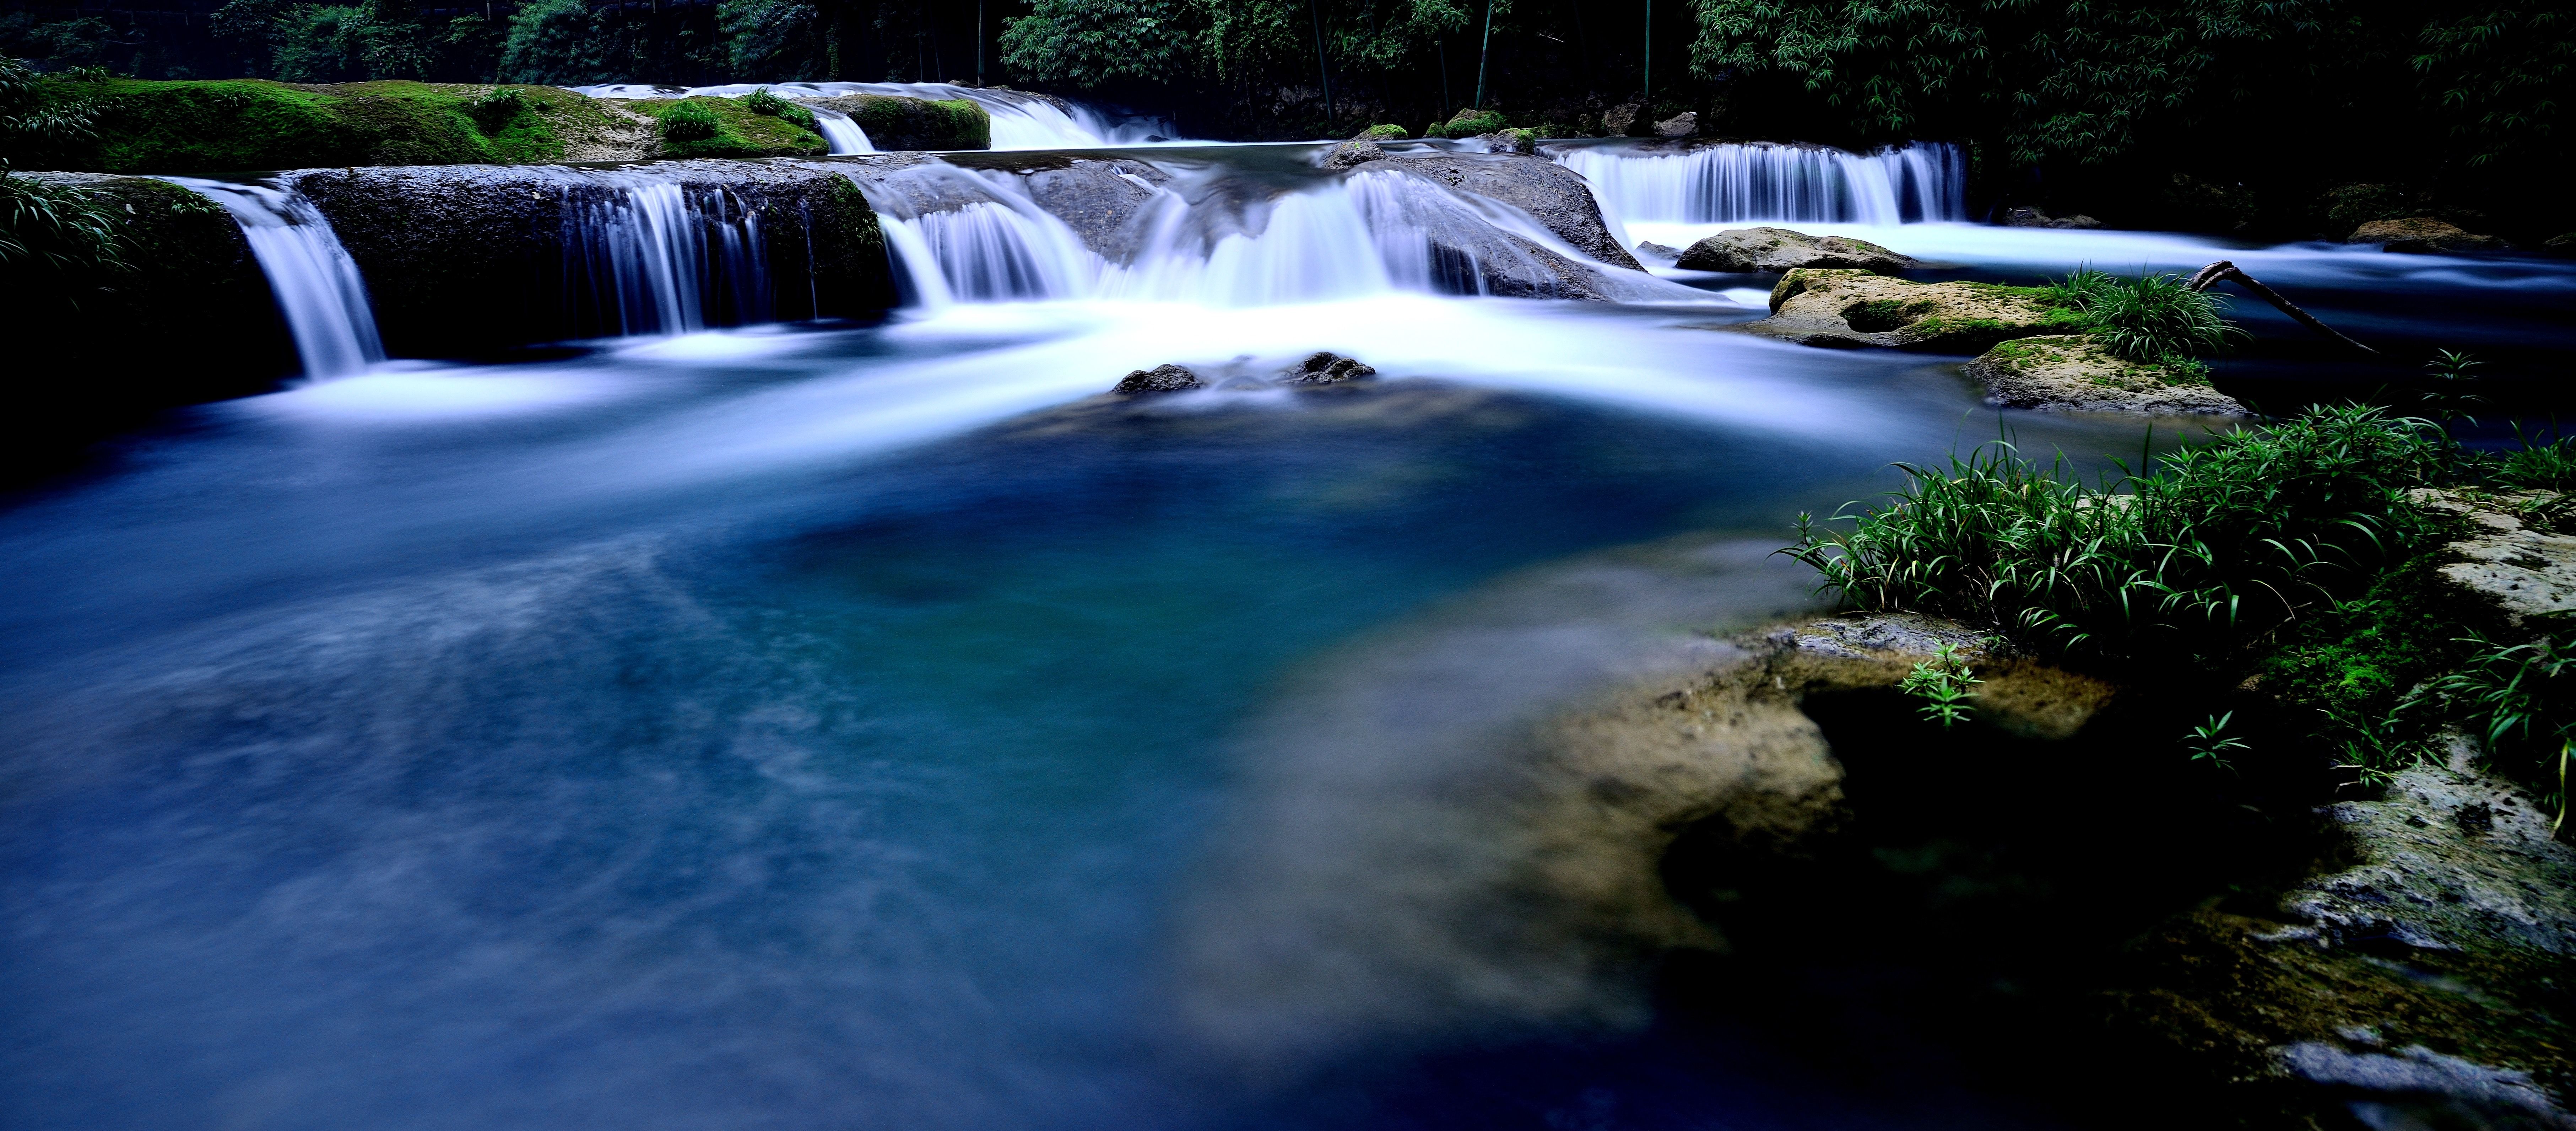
(2074, 373)
(1159, 379)
(1780, 249)
(1326, 368)
(2423, 235)
(1851, 308)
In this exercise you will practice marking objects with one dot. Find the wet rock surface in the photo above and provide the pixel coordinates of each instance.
(1553, 194)
(2423, 235)
(1326, 368)
(1780, 249)
(1838, 308)
(468, 257)
(2074, 373)
(2452, 858)
(1160, 379)
(1100, 200)
(2034, 218)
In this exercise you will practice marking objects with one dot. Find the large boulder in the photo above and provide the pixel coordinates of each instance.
(1555, 195)
(2074, 373)
(2423, 235)
(1684, 124)
(1852, 308)
(475, 257)
(1779, 249)
(895, 122)
(1100, 197)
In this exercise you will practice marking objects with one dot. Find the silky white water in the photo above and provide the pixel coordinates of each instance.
(317, 286)
(1020, 121)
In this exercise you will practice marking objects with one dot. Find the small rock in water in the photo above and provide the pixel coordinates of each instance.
(1159, 379)
(1683, 124)
(1357, 151)
(2034, 218)
(1326, 368)
(2423, 235)
(1658, 251)
(1522, 142)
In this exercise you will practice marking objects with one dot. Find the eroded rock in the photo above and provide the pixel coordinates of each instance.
(1850, 308)
(2506, 561)
(1551, 193)
(1326, 368)
(1780, 249)
(1159, 379)
(1684, 124)
(2451, 858)
(2423, 235)
(2074, 373)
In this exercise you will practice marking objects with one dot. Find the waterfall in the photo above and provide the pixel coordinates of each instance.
(1734, 183)
(316, 283)
(1020, 120)
(648, 257)
(842, 133)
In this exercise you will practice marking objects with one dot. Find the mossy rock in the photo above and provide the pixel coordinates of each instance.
(244, 125)
(738, 131)
(2076, 373)
(1850, 307)
(1383, 132)
(895, 123)
(1470, 122)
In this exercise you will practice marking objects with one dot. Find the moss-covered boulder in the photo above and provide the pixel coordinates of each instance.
(2075, 373)
(1853, 308)
(1470, 122)
(727, 127)
(187, 318)
(239, 125)
(896, 123)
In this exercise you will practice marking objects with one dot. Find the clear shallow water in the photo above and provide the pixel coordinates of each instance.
(819, 727)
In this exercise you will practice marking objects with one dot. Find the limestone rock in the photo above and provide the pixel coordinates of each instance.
(1326, 368)
(2451, 858)
(1159, 379)
(1684, 124)
(2520, 570)
(2423, 235)
(2073, 373)
(1841, 308)
(1780, 249)
(1355, 152)
(1553, 194)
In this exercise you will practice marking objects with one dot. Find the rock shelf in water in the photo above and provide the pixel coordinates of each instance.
(1850, 308)
(1780, 249)
(2075, 373)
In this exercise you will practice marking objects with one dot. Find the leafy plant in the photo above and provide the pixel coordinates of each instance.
(2219, 542)
(57, 243)
(2550, 466)
(497, 107)
(2522, 700)
(2210, 742)
(2156, 316)
(690, 121)
(1944, 684)
(2447, 394)
(762, 102)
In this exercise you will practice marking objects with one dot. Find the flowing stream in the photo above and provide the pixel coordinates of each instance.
(840, 725)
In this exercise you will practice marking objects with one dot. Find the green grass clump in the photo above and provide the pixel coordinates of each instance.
(2541, 467)
(725, 127)
(2219, 542)
(236, 125)
(58, 244)
(2148, 318)
(762, 102)
(494, 109)
(690, 121)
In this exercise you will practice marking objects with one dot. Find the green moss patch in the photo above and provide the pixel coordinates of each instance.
(724, 127)
(238, 125)
(897, 123)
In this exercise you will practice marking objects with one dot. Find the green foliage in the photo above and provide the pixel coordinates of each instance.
(557, 43)
(496, 108)
(1091, 44)
(917, 123)
(2447, 392)
(2154, 318)
(1944, 684)
(774, 40)
(2521, 700)
(2210, 742)
(2220, 542)
(762, 102)
(690, 121)
(1470, 122)
(2544, 467)
(58, 244)
(2504, 68)
(1384, 132)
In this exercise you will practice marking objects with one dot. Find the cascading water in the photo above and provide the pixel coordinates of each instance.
(649, 257)
(317, 285)
(1732, 183)
(842, 133)
(1020, 120)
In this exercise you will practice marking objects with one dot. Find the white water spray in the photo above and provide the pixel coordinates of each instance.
(1020, 120)
(842, 133)
(317, 285)
(655, 258)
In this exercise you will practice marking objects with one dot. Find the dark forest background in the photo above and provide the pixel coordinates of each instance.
(2270, 117)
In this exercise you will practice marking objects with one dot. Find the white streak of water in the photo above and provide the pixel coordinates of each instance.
(1731, 183)
(316, 283)
(842, 133)
(1020, 121)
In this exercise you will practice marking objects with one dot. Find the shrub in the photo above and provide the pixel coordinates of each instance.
(2221, 541)
(689, 121)
(762, 102)
(57, 243)
(2541, 467)
(2148, 318)
(496, 108)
